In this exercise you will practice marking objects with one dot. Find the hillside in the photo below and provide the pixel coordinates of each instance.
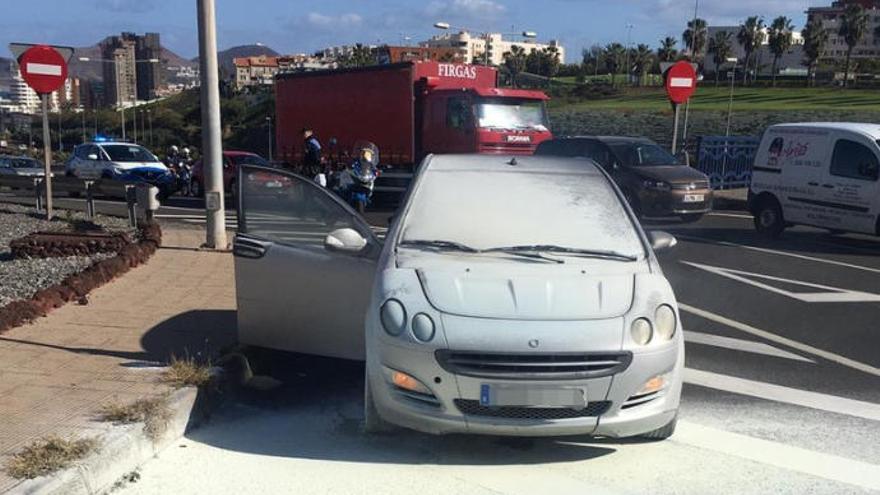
(225, 57)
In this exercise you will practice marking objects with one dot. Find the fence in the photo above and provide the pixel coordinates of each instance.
(727, 160)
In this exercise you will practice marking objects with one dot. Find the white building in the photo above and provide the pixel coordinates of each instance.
(830, 18)
(489, 47)
(791, 61)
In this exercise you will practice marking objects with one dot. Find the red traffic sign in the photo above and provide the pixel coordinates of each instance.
(681, 82)
(43, 68)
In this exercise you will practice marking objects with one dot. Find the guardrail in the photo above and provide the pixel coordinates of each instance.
(74, 186)
(727, 160)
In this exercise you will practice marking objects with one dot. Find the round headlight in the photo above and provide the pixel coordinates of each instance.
(641, 331)
(393, 316)
(423, 327)
(664, 319)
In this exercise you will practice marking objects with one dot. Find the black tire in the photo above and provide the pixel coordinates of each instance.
(691, 217)
(661, 433)
(373, 422)
(769, 221)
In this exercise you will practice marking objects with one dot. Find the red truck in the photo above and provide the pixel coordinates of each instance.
(408, 110)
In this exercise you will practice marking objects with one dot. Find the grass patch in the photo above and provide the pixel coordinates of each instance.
(48, 455)
(153, 412)
(187, 372)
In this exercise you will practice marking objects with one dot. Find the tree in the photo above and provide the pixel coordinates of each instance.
(815, 39)
(720, 48)
(515, 62)
(695, 37)
(780, 39)
(615, 54)
(549, 62)
(593, 58)
(852, 29)
(643, 60)
(667, 51)
(360, 56)
(750, 36)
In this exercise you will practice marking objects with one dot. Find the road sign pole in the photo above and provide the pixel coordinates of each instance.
(212, 152)
(675, 128)
(47, 150)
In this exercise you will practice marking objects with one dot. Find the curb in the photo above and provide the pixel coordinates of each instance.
(122, 450)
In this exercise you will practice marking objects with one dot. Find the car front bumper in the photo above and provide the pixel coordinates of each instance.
(672, 202)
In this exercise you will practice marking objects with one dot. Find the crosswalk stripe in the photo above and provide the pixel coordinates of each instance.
(778, 393)
(740, 345)
(764, 334)
(820, 464)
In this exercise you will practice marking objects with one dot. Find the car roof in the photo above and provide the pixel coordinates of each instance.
(507, 164)
(870, 130)
(238, 153)
(607, 139)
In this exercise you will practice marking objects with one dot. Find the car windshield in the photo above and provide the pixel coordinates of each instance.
(511, 114)
(250, 160)
(642, 154)
(572, 214)
(25, 163)
(128, 153)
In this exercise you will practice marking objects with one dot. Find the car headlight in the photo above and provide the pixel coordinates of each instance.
(393, 317)
(423, 327)
(664, 320)
(656, 184)
(641, 331)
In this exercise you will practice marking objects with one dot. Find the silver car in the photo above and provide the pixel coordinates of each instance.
(510, 297)
(22, 166)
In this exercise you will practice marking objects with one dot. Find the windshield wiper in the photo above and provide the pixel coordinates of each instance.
(439, 245)
(550, 248)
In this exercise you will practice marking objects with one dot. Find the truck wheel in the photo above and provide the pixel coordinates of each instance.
(768, 218)
(661, 433)
(373, 422)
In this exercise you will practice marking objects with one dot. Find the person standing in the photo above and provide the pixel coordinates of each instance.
(312, 166)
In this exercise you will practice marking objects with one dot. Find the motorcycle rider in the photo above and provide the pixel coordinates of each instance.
(184, 172)
(358, 180)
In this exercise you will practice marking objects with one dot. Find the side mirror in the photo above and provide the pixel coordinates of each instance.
(661, 241)
(92, 156)
(345, 241)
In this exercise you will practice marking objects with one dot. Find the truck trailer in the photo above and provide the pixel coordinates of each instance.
(408, 110)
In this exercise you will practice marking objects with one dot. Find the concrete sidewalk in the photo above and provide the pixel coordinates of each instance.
(57, 372)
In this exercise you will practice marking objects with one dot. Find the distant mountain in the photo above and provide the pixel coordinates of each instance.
(92, 70)
(225, 57)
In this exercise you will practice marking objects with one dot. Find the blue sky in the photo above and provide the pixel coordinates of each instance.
(293, 26)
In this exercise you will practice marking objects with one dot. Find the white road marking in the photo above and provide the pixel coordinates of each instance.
(741, 345)
(830, 294)
(782, 253)
(827, 466)
(779, 393)
(808, 349)
(730, 215)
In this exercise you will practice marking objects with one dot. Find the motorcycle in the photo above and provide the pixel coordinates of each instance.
(356, 183)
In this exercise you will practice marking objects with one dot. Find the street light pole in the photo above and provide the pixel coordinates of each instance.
(269, 126)
(150, 119)
(629, 28)
(211, 138)
(119, 97)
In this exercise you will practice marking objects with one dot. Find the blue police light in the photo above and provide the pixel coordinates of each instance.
(100, 139)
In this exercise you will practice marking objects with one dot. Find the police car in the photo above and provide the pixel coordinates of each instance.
(120, 161)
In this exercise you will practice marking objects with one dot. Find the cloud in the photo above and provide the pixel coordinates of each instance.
(473, 9)
(125, 6)
(323, 21)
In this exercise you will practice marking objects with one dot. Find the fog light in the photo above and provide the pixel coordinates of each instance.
(423, 327)
(664, 319)
(641, 331)
(653, 385)
(393, 317)
(406, 382)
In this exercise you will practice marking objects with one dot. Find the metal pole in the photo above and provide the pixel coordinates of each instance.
(675, 129)
(82, 116)
(727, 129)
(134, 124)
(211, 137)
(150, 118)
(60, 144)
(269, 125)
(119, 97)
(47, 150)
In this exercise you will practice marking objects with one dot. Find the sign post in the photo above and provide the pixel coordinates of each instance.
(44, 69)
(681, 82)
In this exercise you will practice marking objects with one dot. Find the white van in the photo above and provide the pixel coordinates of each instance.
(819, 174)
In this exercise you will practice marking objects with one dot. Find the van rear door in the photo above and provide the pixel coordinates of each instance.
(793, 162)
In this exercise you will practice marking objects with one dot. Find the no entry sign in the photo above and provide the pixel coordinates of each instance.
(43, 68)
(681, 82)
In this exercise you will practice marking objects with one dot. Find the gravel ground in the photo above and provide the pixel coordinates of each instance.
(20, 279)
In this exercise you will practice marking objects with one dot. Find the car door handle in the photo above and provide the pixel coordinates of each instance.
(828, 186)
(812, 183)
(249, 248)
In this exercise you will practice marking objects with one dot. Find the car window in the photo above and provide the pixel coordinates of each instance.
(642, 155)
(4, 162)
(285, 209)
(457, 113)
(598, 153)
(250, 160)
(854, 160)
(576, 210)
(128, 153)
(25, 163)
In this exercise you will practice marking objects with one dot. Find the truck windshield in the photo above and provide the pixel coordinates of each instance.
(505, 113)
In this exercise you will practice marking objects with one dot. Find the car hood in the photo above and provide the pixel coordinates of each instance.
(564, 295)
(672, 174)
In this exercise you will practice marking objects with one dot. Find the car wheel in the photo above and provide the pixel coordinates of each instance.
(691, 217)
(661, 433)
(768, 218)
(373, 422)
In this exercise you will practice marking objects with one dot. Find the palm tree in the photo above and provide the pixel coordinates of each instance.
(815, 39)
(614, 55)
(695, 37)
(667, 51)
(780, 39)
(750, 36)
(593, 56)
(515, 62)
(720, 48)
(643, 59)
(853, 25)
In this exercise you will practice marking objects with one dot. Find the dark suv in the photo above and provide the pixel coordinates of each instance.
(654, 182)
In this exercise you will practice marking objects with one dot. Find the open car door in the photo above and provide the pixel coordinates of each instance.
(304, 266)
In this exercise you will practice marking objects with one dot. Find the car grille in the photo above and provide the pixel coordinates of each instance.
(690, 186)
(473, 408)
(543, 366)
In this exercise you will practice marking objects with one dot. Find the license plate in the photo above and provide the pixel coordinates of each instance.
(504, 395)
(694, 198)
